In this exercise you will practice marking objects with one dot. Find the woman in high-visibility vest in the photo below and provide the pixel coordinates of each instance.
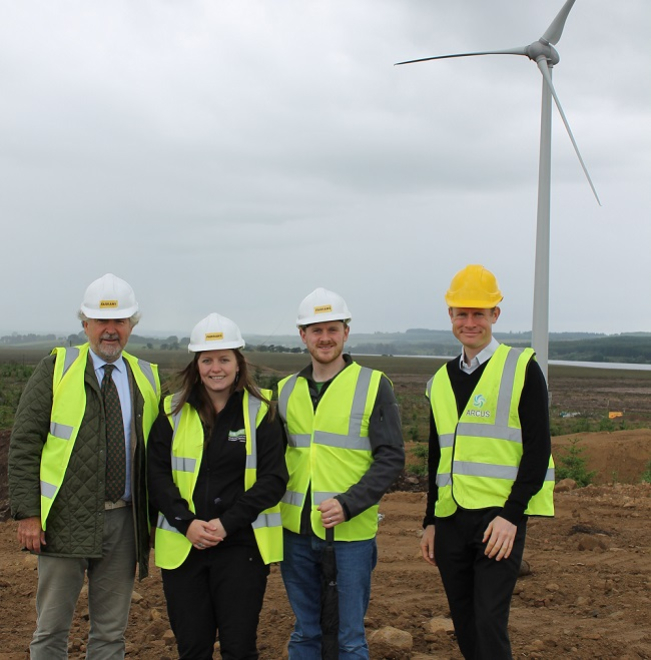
(216, 473)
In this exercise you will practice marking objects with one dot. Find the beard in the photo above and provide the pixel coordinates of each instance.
(109, 352)
(333, 354)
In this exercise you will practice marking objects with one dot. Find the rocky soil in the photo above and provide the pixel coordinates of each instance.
(588, 593)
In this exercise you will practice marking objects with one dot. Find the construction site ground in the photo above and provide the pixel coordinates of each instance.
(588, 594)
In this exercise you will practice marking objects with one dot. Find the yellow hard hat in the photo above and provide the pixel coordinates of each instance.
(474, 286)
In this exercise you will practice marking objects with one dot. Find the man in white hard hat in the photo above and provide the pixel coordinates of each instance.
(490, 466)
(345, 450)
(77, 474)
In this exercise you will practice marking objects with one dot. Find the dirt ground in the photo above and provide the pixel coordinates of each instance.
(588, 594)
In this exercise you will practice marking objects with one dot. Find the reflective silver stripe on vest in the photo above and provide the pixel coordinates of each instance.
(341, 441)
(506, 388)
(359, 402)
(254, 407)
(183, 464)
(267, 520)
(509, 472)
(443, 479)
(285, 393)
(446, 440)
(293, 497)
(48, 490)
(428, 387)
(321, 496)
(299, 440)
(72, 354)
(162, 523)
(485, 470)
(62, 431)
(490, 431)
(176, 417)
(146, 369)
(179, 463)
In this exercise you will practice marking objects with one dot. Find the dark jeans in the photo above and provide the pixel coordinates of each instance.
(479, 589)
(219, 588)
(301, 571)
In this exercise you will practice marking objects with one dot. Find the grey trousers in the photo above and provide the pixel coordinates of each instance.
(110, 585)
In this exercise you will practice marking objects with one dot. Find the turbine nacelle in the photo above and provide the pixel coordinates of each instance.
(542, 50)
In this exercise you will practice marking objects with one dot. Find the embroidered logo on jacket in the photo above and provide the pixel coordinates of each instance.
(478, 400)
(237, 436)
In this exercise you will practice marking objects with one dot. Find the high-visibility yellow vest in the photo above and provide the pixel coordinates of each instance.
(328, 449)
(481, 450)
(172, 547)
(69, 406)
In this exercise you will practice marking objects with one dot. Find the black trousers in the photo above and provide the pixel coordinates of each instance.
(221, 588)
(479, 589)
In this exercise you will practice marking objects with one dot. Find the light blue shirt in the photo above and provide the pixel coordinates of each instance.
(484, 355)
(121, 380)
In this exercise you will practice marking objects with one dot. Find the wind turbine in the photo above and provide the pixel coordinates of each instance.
(543, 53)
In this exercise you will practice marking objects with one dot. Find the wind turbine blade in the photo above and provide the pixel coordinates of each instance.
(508, 51)
(544, 69)
(555, 30)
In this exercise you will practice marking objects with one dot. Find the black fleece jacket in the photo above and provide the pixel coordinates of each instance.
(219, 492)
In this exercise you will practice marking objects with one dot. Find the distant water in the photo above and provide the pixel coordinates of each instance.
(603, 365)
(630, 366)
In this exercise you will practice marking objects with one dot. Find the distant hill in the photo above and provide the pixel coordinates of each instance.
(632, 347)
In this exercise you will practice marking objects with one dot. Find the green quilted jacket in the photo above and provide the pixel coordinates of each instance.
(76, 521)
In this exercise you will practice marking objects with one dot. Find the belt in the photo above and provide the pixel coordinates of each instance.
(120, 504)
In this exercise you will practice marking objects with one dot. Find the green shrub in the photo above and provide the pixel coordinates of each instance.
(580, 425)
(572, 465)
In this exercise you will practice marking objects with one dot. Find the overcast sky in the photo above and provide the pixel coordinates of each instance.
(233, 156)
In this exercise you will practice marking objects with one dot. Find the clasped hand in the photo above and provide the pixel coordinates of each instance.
(204, 534)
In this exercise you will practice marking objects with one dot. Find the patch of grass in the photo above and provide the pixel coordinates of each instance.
(13, 377)
(606, 424)
(646, 475)
(590, 422)
(418, 467)
(572, 465)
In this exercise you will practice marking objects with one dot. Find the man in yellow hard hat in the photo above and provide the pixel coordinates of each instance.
(77, 474)
(490, 466)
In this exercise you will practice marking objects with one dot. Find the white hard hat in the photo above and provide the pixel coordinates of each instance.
(215, 333)
(109, 297)
(322, 306)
